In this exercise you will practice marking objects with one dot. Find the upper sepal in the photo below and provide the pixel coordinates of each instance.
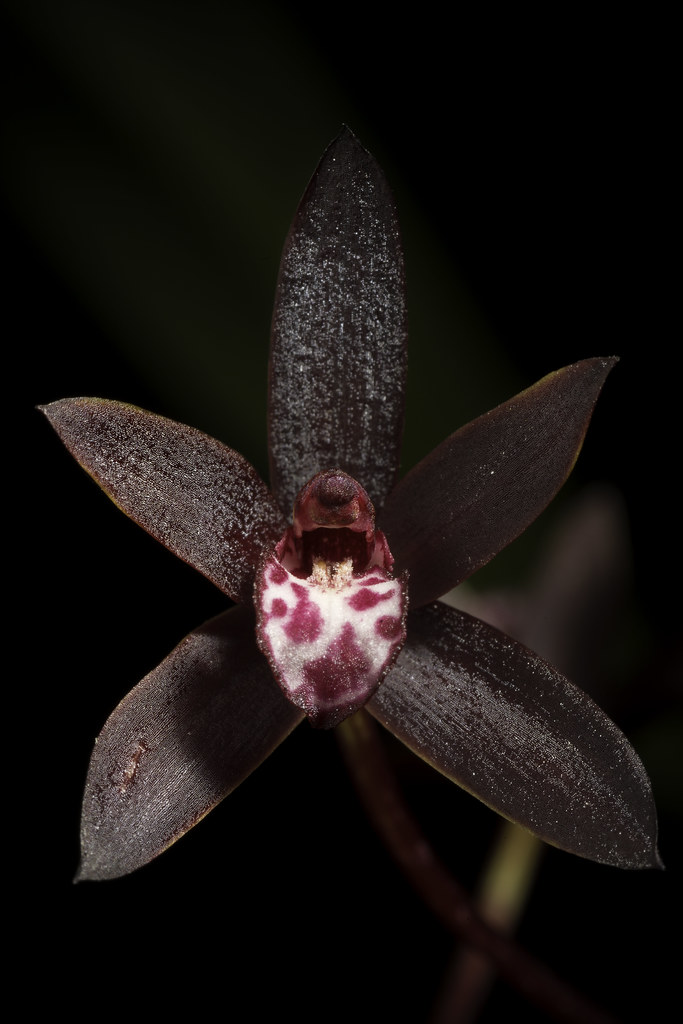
(481, 488)
(202, 500)
(505, 725)
(339, 335)
(185, 737)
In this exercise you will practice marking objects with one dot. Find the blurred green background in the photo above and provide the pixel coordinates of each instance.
(154, 154)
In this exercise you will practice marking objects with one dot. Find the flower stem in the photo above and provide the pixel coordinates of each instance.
(502, 893)
(448, 900)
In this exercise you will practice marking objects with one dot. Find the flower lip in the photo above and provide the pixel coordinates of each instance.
(331, 617)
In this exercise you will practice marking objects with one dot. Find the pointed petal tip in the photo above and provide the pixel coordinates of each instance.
(648, 860)
(348, 148)
(347, 132)
(627, 857)
(590, 373)
(347, 135)
(601, 363)
(87, 871)
(82, 875)
(49, 408)
(347, 139)
(99, 869)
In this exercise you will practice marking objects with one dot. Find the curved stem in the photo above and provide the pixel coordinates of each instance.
(448, 900)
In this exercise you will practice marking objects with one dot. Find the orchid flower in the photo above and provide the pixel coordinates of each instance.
(340, 609)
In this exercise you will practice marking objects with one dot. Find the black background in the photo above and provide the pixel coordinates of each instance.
(532, 167)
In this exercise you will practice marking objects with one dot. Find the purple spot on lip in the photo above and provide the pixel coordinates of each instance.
(364, 599)
(306, 622)
(371, 580)
(277, 574)
(339, 671)
(388, 627)
(278, 608)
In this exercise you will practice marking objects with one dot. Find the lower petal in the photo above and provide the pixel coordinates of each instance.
(188, 734)
(509, 728)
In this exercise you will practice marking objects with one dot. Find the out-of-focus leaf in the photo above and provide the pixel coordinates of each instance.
(506, 726)
(184, 738)
(480, 488)
(338, 352)
(577, 598)
(202, 500)
(155, 194)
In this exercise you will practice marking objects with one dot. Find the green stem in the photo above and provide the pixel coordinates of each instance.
(501, 897)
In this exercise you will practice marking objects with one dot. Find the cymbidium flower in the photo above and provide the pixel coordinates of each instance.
(323, 626)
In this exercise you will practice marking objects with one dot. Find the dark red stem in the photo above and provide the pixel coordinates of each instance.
(380, 794)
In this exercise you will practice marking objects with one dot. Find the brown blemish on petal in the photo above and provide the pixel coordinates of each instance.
(130, 769)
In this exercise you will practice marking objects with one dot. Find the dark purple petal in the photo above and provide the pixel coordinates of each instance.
(338, 352)
(203, 501)
(184, 738)
(499, 721)
(486, 483)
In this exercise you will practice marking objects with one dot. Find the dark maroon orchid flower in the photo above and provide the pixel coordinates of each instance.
(323, 626)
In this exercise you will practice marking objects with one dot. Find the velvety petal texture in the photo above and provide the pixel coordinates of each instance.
(338, 350)
(202, 500)
(184, 738)
(331, 599)
(479, 489)
(509, 728)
